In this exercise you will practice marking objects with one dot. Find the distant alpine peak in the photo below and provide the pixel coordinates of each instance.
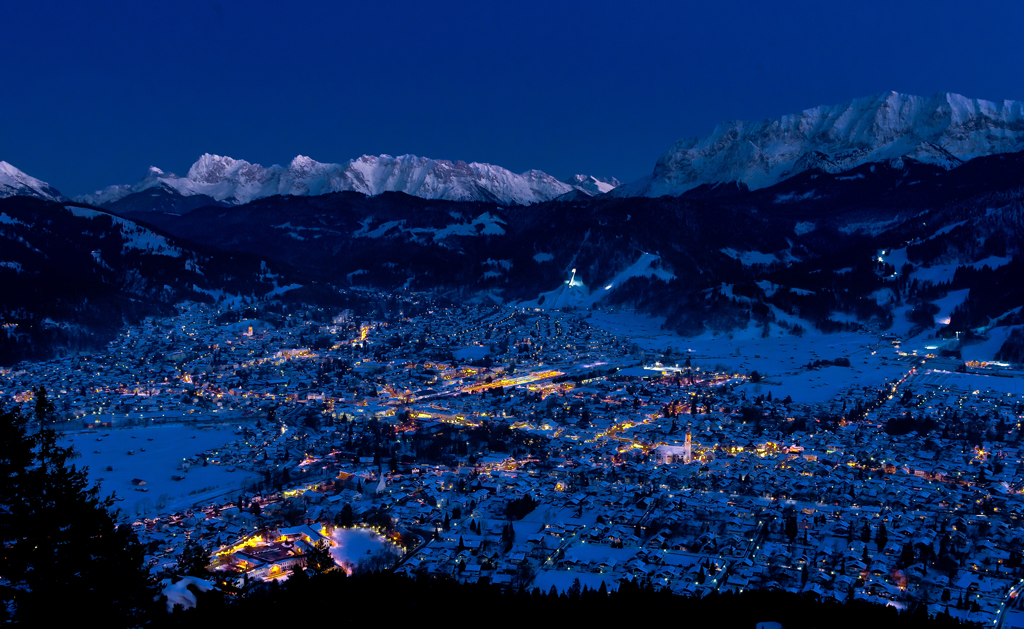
(212, 168)
(237, 181)
(593, 185)
(13, 183)
(942, 129)
(301, 162)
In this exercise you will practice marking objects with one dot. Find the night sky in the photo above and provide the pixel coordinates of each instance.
(95, 92)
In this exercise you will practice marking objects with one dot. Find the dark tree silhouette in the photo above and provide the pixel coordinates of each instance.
(65, 557)
(319, 558)
(194, 559)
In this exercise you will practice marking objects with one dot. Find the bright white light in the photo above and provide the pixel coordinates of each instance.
(608, 287)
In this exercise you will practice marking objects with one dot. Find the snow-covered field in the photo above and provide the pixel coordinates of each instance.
(158, 453)
(967, 382)
(352, 546)
(781, 359)
(645, 330)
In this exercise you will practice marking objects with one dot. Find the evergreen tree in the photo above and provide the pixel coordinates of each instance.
(906, 557)
(194, 559)
(575, 589)
(524, 574)
(791, 528)
(44, 408)
(881, 536)
(65, 557)
(319, 558)
(346, 518)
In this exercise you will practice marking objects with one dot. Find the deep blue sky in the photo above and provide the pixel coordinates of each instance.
(95, 92)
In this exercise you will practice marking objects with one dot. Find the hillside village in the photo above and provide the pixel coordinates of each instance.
(532, 448)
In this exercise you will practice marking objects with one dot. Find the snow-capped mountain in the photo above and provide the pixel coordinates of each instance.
(944, 129)
(593, 185)
(13, 183)
(237, 181)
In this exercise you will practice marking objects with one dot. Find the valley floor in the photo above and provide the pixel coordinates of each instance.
(533, 448)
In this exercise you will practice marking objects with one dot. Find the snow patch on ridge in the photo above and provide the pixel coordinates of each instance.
(484, 225)
(750, 258)
(804, 227)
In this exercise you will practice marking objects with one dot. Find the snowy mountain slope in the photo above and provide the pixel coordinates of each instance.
(574, 293)
(236, 181)
(13, 183)
(945, 130)
(131, 234)
(73, 275)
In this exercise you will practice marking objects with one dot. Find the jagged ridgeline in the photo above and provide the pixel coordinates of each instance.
(228, 181)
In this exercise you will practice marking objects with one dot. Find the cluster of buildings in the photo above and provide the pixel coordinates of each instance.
(529, 448)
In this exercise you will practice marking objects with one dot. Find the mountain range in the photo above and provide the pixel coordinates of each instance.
(891, 213)
(233, 182)
(945, 130)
